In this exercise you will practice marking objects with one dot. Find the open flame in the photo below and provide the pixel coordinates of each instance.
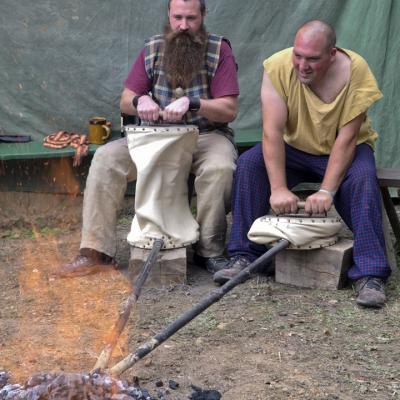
(58, 324)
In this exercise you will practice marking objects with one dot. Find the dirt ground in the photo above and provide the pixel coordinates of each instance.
(263, 340)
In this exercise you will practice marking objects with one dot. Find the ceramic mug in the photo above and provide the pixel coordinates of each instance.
(99, 131)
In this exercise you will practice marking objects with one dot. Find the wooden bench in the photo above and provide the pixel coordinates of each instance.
(30, 167)
(245, 139)
(390, 178)
(36, 150)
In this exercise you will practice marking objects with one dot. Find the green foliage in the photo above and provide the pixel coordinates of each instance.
(125, 220)
(15, 233)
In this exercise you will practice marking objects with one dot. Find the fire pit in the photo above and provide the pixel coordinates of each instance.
(94, 386)
(70, 386)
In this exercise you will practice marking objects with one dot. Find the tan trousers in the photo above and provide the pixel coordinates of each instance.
(112, 168)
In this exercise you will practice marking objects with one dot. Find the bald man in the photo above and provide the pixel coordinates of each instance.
(315, 98)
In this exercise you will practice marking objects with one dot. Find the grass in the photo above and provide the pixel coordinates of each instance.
(16, 233)
(125, 220)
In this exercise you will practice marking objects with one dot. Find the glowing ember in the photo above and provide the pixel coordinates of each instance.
(70, 386)
(93, 386)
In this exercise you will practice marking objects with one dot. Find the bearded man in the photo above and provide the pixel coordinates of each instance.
(203, 67)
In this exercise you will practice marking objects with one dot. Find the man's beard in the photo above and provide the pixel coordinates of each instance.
(184, 55)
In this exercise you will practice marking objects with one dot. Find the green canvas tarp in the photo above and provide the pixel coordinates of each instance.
(62, 62)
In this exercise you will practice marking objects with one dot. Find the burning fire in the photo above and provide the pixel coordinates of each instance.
(58, 324)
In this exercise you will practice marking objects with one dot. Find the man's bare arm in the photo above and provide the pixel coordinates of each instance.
(274, 114)
(339, 162)
(223, 109)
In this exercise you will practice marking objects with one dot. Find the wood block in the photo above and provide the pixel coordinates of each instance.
(390, 241)
(324, 268)
(169, 268)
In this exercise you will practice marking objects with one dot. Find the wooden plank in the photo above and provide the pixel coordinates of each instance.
(244, 138)
(388, 177)
(390, 242)
(391, 212)
(248, 137)
(52, 175)
(36, 150)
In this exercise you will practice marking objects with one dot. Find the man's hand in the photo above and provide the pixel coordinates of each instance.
(318, 203)
(148, 109)
(175, 111)
(283, 201)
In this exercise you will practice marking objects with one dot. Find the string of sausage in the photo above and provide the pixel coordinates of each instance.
(62, 139)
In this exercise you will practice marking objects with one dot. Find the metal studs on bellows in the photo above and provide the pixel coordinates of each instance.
(303, 233)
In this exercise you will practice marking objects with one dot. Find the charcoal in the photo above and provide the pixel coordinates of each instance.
(200, 394)
(38, 379)
(161, 395)
(173, 384)
(10, 391)
(120, 397)
(95, 386)
(146, 395)
(134, 392)
(4, 377)
(70, 386)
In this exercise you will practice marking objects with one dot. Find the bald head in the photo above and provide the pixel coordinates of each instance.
(314, 51)
(317, 30)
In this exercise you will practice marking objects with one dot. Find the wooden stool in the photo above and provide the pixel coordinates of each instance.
(324, 268)
(169, 268)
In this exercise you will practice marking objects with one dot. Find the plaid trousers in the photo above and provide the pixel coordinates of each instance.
(357, 201)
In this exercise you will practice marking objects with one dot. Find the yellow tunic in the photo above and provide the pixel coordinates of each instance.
(312, 125)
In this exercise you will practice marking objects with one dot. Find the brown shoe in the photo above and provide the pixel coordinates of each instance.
(370, 292)
(235, 266)
(211, 264)
(87, 265)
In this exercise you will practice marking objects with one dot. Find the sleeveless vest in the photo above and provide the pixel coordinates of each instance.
(198, 87)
